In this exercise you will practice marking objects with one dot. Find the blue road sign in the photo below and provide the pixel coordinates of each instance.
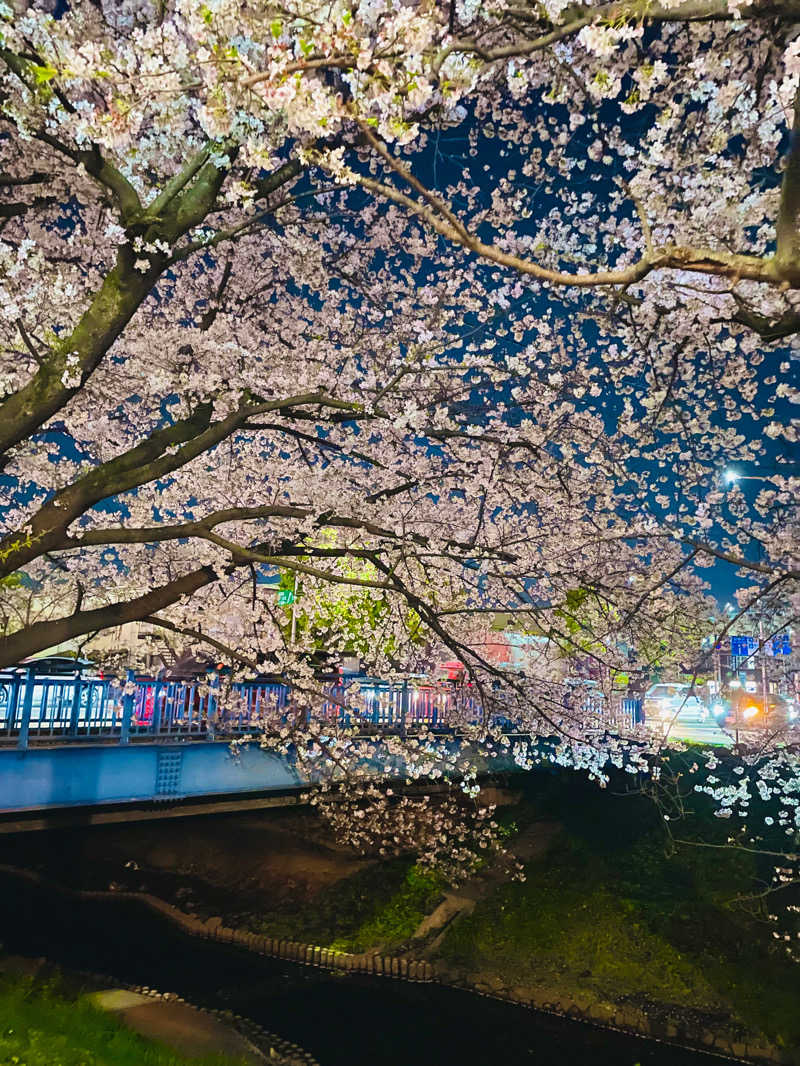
(780, 645)
(743, 646)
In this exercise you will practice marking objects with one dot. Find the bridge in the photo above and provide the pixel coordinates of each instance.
(143, 747)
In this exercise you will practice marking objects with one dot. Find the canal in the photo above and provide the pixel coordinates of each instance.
(342, 1020)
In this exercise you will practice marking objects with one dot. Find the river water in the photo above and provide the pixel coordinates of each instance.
(342, 1020)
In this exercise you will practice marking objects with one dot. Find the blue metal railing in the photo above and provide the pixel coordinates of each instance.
(65, 709)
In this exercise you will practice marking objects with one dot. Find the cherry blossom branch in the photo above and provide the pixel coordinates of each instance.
(668, 257)
(431, 617)
(436, 202)
(73, 360)
(738, 560)
(788, 224)
(163, 452)
(46, 634)
(17, 208)
(470, 46)
(282, 561)
(202, 527)
(626, 11)
(769, 329)
(36, 177)
(184, 530)
(340, 62)
(191, 198)
(186, 631)
(736, 847)
(579, 17)
(93, 161)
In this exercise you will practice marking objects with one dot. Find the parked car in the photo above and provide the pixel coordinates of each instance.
(745, 710)
(56, 665)
(669, 700)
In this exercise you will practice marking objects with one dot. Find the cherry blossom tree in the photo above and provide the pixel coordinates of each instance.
(464, 307)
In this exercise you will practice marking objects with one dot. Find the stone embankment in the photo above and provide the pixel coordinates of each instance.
(658, 1022)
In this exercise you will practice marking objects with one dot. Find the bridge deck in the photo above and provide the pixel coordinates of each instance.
(68, 742)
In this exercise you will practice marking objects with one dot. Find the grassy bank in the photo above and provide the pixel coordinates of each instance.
(378, 907)
(610, 912)
(42, 1025)
(607, 913)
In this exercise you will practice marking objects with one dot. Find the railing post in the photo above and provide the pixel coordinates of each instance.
(403, 708)
(27, 706)
(13, 702)
(155, 721)
(75, 709)
(213, 705)
(340, 692)
(127, 708)
(640, 710)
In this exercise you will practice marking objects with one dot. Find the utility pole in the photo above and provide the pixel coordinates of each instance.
(717, 672)
(763, 650)
(294, 611)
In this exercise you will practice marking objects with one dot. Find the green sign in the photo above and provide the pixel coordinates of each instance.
(285, 596)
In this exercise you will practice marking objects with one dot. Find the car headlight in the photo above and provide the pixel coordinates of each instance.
(718, 709)
(750, 712)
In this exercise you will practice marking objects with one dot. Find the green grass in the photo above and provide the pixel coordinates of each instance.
(608, 913)
(40, 1025)
(566, 925)
(379, 907)
(397, 917)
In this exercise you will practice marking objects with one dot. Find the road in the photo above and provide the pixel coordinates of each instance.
(690, 726)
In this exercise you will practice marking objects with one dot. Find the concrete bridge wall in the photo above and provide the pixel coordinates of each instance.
(86, 775)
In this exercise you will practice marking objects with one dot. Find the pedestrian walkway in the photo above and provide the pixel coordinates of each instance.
(188, 1031)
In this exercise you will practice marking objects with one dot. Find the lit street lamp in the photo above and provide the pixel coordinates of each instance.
(730, 477)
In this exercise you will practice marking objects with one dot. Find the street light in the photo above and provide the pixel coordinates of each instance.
(730, 477)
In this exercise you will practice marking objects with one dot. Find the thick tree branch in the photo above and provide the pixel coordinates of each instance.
(163, 452)
(118, 299)
(42, 635)
(92, 159)
(578, 16)
(688, 259)
(788, 224)
(121, 294)
(769, 329)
